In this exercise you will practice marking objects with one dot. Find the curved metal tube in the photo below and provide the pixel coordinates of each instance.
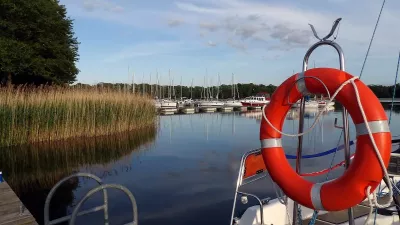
(259, 202)
(104, 187)
(320, 43)
(344, 114)
(53, 190)
(239, 181)
(335, 24)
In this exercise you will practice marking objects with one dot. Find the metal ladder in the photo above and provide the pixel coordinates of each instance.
(75, 212)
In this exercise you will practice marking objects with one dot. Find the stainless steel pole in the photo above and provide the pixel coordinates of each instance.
(299, 153)
(346, 139)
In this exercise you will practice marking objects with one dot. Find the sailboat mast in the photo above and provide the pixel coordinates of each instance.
(181, 89)
(191, 90)
(169, 86)
(173, 89)
(219, 84)
(233, 87)
(151, 87)
(212, 88)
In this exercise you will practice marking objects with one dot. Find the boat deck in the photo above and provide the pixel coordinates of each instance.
(362, 209)
(12, 211)
(339, 217)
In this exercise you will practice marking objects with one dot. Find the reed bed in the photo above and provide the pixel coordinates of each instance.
(40, 165)
(47, 113)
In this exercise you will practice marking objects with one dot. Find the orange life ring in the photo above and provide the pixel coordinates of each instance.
(365, 169)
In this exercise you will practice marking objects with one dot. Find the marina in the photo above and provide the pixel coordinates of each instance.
(231, 130)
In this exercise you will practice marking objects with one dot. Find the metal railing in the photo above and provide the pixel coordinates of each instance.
(241, 181)
(102, 187)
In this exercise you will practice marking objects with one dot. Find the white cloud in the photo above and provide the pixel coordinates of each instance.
(257, 28)
(288, 23)
(150, 49)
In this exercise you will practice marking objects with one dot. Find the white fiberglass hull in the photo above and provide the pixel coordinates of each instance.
(279, 214)
(168, 105)
(307, 105)
(232, 104)
(210, 104)
(323, 104)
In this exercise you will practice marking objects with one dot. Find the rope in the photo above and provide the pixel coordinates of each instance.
(317, 117)
(394, 88)
(373, 201)
(365, 60)
(372, 38)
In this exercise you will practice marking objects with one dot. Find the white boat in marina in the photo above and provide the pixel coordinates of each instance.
(210, 104)
(168, 104)
(188, 102)
(255, 101)
(308, 104)
(233, 103)
(322, 103)
(235, 92)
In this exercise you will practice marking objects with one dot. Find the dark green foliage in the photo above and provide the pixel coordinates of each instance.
(225, 91)
(37, 43)
(385, 91)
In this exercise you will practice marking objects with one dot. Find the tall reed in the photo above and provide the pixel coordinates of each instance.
(48, 113)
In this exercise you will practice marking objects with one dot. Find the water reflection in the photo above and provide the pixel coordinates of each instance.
(186, 175)
(294, 114)
(32, 170)
(253, 114)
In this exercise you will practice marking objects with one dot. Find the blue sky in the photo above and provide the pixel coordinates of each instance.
(260, 41)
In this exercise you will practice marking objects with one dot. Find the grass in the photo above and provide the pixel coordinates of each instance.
(49, 113)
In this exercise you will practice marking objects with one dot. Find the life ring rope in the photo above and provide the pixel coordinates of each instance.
(316, 118)
(267, 143)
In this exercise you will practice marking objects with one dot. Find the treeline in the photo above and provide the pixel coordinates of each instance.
(224, 91)
(385, 91)
(196, 92)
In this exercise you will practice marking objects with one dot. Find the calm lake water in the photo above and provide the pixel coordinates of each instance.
(182, 171)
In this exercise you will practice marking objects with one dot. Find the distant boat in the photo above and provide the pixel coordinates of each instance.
(233, 103)
(168, 104)
(308, 104)
(255, 101)
(323, 103)
(210, 104)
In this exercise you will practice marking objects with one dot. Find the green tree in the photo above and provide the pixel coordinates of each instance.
(37, 43)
